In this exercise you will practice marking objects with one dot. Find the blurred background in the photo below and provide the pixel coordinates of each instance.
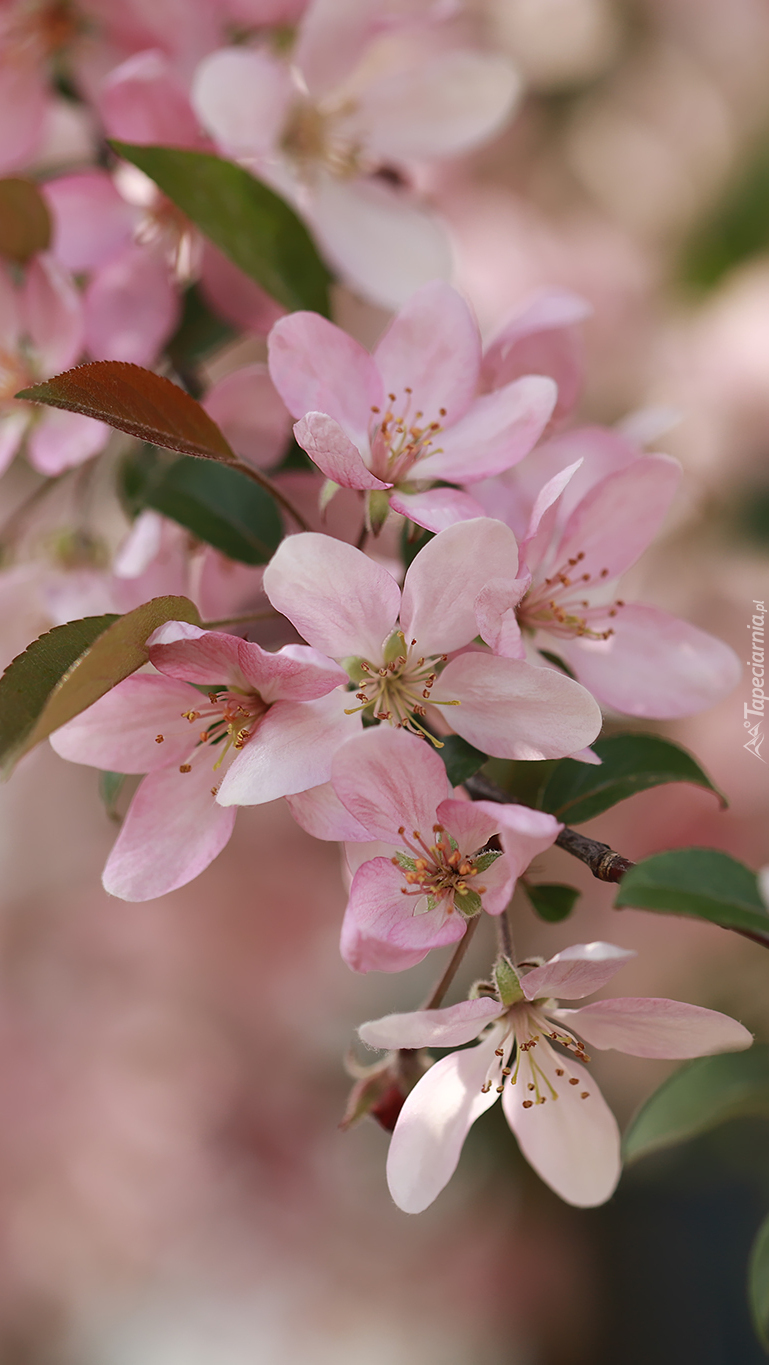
(174, 1189)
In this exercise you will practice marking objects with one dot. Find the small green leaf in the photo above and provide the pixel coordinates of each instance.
(698, 1097)
(702, 882)
(69, 668)
(25, 223)
(758, 1283)
(553, 901)
(630, 763)
(110, 787)
(461, 759)
(251, 224)
(218, 505)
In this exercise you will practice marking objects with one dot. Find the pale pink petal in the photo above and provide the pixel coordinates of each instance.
(119, 732)
(320, 812)
(251, 414)
(430, 356)
(445, 578)
(238, 298)
(433, 1124)
(654, 665)
(577, 971)
(496, 616)
(131, 308)
(387, 779)
(142, 101)
(331, 39)
(334, 453)
(497, 431)
(547, 495)
(173, 830)
(471, 823)
(339, 600)
(437, 508)
(14, 421)
(572, 1142)
(23, 104)
(381, 911)
(51, 314)
(140, 546)
(382, 243)
(290, 752)
(91, 221)
(316, 367)
(541, 339)
(206, 657)
(512, 710)
(452, 1027)
(655, 1028)
(60, 440)
(441, 107)
(293, 673)
(241, 96)
(524, 833)
(364, 954)
(619, 516)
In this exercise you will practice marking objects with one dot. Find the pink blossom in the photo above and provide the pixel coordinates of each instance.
(410, 415)
(251, 414)
(41, 332)
(562, 1123)
(541, 337)
(396, 646)
(269, 724)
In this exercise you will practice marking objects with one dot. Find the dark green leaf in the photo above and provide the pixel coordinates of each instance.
(553, 901)
(70, 667)
(110, 787)
(243, 217)
(697, 1097)
(736, 229)
(218, 505)
(701, 882)
(25, 223)
(630, 763)
(461, 759)
(758, 1283)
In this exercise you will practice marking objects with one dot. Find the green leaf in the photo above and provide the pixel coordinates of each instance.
(736, 229)
(553, 901)
(698, 1097)
(758, 1283)
(251, 224)
(701, 882)
(25, 223)
(630, 763)
(461, 759)
(69, 668)
(110, 787)
(218, 505)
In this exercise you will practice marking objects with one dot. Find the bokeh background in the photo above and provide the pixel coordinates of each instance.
(174, 1189)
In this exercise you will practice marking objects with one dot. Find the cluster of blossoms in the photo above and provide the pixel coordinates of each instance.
(505, 630)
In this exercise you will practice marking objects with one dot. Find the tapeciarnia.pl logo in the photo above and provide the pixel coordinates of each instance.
(755, 707)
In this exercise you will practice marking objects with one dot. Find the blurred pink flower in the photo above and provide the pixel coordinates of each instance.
(563, 1125)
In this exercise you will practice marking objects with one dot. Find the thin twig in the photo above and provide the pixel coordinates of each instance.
(453, 967)
(272, 488)
(505, 935)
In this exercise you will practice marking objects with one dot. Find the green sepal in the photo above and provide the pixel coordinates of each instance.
(469, 903)
(352, 667)
(327, 492)
(395, 647)
(377, 509)
(508, 982)
(408, 864)
(484, 860)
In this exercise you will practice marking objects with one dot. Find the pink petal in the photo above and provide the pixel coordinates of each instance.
(381, 911)
(654, 665)
(387, 779)
(207, 657)
(331, 39)
(541, 339)
(575, 972)
(142, 101)
(512, 710)
(118, 733)
(290, 752)
(92, 222)
(293, 673)
(241, 96)
(14, 422)
(316, 367)
(173, 830)
(655, 1028)
(10, 322)
(339, 600)
(251, 414)
(572, 1143)
(494, 434)
(524, 833)
(23, 105)
(547, 496)
(131, 308)
(334, 453)
(496, 616)
(452, 1027)
(619, 516)
(239, 299)
(51, 314)
(430, 356)
(471, 823)
(363, 954)
(60, 440)
(445, 578)
(433, 1124)
(320, 812)
(437, 508)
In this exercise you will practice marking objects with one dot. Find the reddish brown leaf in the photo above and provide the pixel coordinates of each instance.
(25, 223)
(137, 401)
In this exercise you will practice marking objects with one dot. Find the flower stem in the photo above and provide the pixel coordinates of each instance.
(505, 936)
(272, 488)
(453, 967)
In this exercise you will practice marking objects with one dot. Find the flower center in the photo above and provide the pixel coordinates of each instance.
(557, 605)
(14, 375)
(229, 720)
(439, 871)
(312, 136)
(400, 439)
(400, 690)
(527, 1043)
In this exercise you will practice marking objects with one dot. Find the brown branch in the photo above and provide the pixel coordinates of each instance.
(453, 967)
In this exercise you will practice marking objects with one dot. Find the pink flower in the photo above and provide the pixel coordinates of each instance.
(396, 647)
(563, 1125)
(41, 332)
(268, 726)
(409, 414)
(634, 658)
(433, 870)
